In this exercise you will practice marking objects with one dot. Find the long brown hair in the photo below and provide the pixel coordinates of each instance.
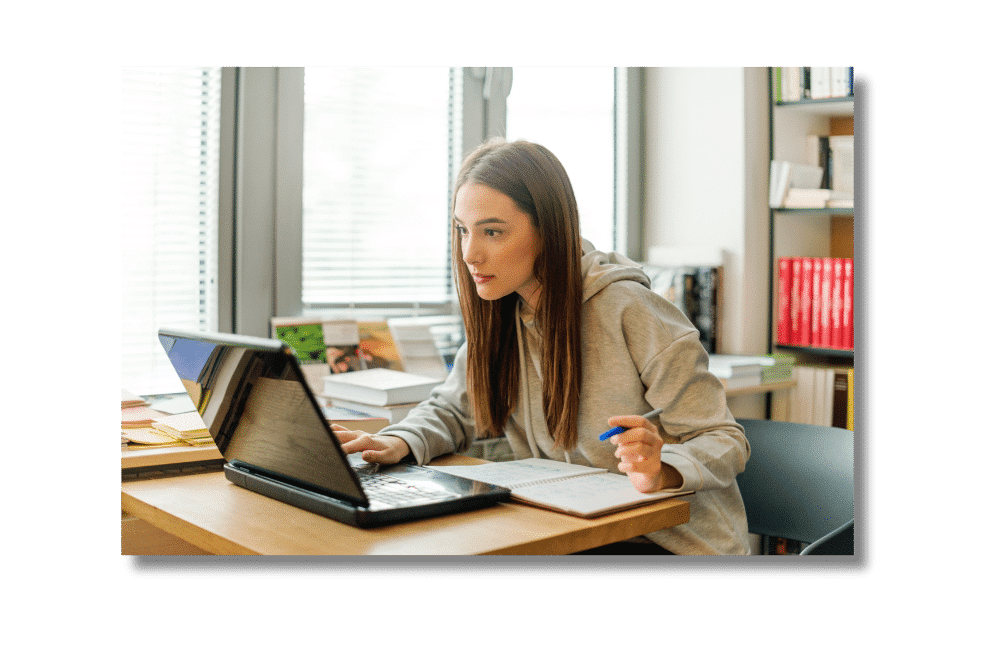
(536, 181)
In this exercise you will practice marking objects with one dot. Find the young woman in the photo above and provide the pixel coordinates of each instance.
(560, 337)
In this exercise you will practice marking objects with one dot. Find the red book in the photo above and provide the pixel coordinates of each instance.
(805, 302)
(796, 307)
(784, 301)
(817, 303)
(826, 302)
(837, 306)
(849, 304)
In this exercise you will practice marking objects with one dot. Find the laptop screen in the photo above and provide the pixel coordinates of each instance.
(256, 407)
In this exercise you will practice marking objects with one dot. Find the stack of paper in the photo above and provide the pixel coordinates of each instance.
(148, 438)
(130, 400)
(186, 427)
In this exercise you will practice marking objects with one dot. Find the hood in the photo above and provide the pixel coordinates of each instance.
(603, 268)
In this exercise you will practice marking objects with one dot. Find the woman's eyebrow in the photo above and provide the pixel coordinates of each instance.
(489, 220)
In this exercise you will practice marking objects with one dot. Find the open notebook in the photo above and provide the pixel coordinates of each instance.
(582, 491)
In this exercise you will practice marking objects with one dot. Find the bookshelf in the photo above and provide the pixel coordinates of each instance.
(817, 233)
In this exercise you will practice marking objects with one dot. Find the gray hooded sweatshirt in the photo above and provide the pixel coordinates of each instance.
(639, 353)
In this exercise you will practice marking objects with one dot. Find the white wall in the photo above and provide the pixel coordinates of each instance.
(706, 158)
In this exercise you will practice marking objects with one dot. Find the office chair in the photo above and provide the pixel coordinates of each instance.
(799, 484)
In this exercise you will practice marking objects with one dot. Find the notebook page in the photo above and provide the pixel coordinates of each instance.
(590, 496)
(519, 473)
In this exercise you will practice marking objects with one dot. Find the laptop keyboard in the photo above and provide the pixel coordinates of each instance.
(386, 491)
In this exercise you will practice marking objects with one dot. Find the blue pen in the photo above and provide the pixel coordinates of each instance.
(619, 429)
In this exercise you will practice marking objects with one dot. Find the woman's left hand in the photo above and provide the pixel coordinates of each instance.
(639, 454)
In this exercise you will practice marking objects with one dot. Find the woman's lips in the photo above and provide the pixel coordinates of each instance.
(481, 279)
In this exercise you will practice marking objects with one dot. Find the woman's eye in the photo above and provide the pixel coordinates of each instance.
(492, 233)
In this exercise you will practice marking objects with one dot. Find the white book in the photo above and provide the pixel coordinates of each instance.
(394, 413)
(819, 82)
(787, 175)
(379, 387)
(842, 163)
(582, 491)
(417, 350)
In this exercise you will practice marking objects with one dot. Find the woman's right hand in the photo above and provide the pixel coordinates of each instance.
(379, 449)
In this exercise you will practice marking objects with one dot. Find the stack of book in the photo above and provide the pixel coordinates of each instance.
(798, 186)
(381, 392)
(816, 82)
(822, 395)
(736, 371)
(816, 302)
(697, 291)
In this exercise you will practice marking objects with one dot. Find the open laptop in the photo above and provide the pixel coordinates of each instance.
(255, 401)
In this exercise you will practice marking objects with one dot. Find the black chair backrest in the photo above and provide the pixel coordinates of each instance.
(799, 481)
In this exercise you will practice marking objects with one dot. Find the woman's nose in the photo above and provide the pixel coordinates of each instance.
(472, 252)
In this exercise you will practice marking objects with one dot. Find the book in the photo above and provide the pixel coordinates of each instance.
(377, 347)
(818, 154)
(789, 175)
(185, 426)
(391, 413)
(354, 419)
(837, 305)
(826, 303)
(840, 400)
(848, 304)
(796, 302)
(806, 198)
(850, 399)
(303, 335)
(379, 387)
(417, 349)
(805, 314)
(784, 333)
(586, 492)
(842, 164)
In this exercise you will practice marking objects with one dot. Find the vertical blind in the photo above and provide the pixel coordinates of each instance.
(170, 157)
(571, 111)
(376, 172)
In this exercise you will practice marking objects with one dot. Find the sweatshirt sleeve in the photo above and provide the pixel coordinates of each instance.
(703, 441)
(442, 423)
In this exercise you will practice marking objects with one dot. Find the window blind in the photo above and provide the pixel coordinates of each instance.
(376, 171)
(170, 157)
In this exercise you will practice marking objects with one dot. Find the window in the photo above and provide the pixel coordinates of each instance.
(375, 185)
(571, 111)
(170, 157)
(369, 151)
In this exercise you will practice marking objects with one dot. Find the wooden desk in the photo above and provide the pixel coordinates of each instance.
(214, 515)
